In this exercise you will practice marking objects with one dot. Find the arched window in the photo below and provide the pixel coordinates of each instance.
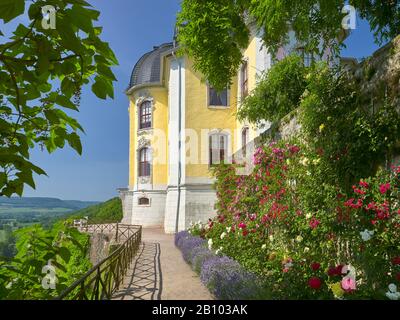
(218, 148)
(144, 162)
(145, 115)
(144, 201)
(245, 140)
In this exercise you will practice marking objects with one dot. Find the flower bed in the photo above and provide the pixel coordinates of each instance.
(225, 278)
(305, 236)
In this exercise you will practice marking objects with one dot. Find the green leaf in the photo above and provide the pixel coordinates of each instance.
(58, 265)
(9, 9)
(52, 116)
(66, 103)
(75, 142)
(26, 177)
(82, 18)
(99, 88)
(106, 71)
(65, 254)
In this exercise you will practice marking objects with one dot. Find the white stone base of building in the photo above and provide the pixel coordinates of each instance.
(196, 203)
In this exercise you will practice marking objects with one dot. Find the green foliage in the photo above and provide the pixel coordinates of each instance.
(377, 12)
(7, 242)
(351, 137)
(278, 92)
(106, 212)
(64, 248)
(213, 32)
(41, 76)
(200, 19)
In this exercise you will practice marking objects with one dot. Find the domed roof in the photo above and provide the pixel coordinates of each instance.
(148, 69)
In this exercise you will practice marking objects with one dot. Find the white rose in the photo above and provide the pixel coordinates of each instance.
(366, 235)
(306, 249)
(308, 216)
(271, 238)
(304, 161)
(210, 243)
(223, 235)
(299, 238)
(228, 229)
(264, 246)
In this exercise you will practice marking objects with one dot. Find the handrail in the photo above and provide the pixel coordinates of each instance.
(121, 230)
(100, 282)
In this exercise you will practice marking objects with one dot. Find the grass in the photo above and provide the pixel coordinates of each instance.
(2, 236)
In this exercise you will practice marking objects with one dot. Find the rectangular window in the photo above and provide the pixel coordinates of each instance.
(145, 115)
(245, 138)
(216, 98)
(308, 58)
(218, 147)
(244, 78)
(144, 163)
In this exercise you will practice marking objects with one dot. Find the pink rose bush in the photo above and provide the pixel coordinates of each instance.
(304, 235)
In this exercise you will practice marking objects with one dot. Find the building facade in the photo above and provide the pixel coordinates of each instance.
(179, 128)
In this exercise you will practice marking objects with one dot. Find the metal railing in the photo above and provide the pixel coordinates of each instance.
(100, 282)
(120, 231)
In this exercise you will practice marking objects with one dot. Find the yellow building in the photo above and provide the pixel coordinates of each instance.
(179, 128)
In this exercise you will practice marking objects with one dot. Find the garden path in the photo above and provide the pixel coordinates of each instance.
(160, 273)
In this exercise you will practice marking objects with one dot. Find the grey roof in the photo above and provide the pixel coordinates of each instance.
(148, 68)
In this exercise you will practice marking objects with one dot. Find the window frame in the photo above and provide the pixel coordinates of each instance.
(144, 204)
(222, 153)
(145, 115)
(144, 166)
(244, 79)
(307, 58)
(217, 106)
(245, 140)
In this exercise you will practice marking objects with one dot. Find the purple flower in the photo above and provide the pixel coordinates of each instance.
(228, 280)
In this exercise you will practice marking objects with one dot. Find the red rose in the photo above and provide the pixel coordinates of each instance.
(315, 266)
(315, 283)
(339, 270)
(398, 276)
(332, 271)
(396, 261)
(245, 232)
(383, 188)
(335, 271)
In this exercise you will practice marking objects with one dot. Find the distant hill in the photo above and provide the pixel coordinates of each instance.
(48, 203)
(106, 212)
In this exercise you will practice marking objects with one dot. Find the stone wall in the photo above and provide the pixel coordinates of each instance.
(99, 247)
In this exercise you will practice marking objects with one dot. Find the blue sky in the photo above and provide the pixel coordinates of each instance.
(132, 27)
